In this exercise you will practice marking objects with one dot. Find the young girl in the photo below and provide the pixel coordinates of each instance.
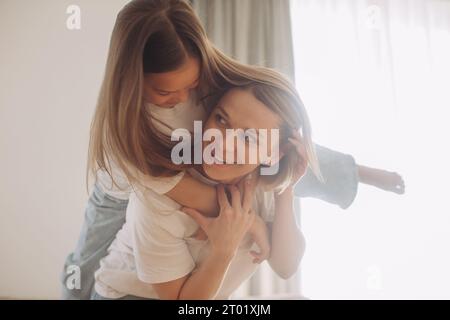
(159, 56)
(158, 253)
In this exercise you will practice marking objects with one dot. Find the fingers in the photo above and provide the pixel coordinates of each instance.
(197, 216)
(256, 258)
(249, 189)
(297, 141)
(264, 249)
(222, 197)
(285, 148)
(260, 256)
(235, 198)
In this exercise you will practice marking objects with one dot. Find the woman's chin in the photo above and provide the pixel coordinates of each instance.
(217, 172)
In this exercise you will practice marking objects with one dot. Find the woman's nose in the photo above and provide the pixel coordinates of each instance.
(230, 146)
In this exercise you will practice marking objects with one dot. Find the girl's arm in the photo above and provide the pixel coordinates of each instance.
(197, 195)
(202, 284)
(225, 234)
(288, 243)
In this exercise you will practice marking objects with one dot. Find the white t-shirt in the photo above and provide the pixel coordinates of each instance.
(165, 120)
(156, 244)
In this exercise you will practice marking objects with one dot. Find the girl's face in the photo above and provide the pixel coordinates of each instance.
(170, 88)
(239, 109)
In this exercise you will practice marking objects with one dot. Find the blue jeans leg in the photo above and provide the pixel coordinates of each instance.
(340, 173)
(104, 217)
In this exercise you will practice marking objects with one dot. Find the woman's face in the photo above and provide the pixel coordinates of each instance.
(170, 88)
(239, 109)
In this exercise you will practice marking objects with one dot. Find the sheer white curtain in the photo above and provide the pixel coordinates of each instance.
(375, 77)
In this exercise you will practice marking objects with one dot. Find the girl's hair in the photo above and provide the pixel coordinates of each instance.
(157, 36)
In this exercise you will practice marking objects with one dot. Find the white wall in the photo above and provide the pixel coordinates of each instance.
(49, 82)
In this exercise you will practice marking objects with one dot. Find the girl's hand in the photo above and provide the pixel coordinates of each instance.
(260, 234)
(226, 231)
(297, 146)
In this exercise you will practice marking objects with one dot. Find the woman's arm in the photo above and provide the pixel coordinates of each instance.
(288, 243)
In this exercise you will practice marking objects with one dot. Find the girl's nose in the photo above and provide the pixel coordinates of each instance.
(183, 96)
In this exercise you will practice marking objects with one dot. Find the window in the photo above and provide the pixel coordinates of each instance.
(375, 78)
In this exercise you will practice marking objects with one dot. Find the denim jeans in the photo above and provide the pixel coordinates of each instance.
(340, 173)
(104, 217)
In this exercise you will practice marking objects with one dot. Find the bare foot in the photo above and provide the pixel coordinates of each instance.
(385, 180)
(389, 181)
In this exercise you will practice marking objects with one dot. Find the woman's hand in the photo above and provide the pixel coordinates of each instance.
(226, 231)
(258, 230)
(260, 234)
(296, 145)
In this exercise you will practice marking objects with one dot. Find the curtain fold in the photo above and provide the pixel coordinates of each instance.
(255, 32)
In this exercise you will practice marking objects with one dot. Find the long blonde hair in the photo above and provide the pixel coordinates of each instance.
(121, 131)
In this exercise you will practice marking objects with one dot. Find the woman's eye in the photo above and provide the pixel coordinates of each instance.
(246, 138)
(249, 139)
(220, 119)
(163, 93)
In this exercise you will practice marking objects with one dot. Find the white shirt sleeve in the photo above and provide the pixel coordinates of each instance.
(160, 185)
(160, 254)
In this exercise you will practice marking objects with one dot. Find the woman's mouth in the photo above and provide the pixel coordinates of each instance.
(217, 158)
(219, 161)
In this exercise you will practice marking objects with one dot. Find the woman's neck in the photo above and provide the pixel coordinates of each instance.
(234, 181)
